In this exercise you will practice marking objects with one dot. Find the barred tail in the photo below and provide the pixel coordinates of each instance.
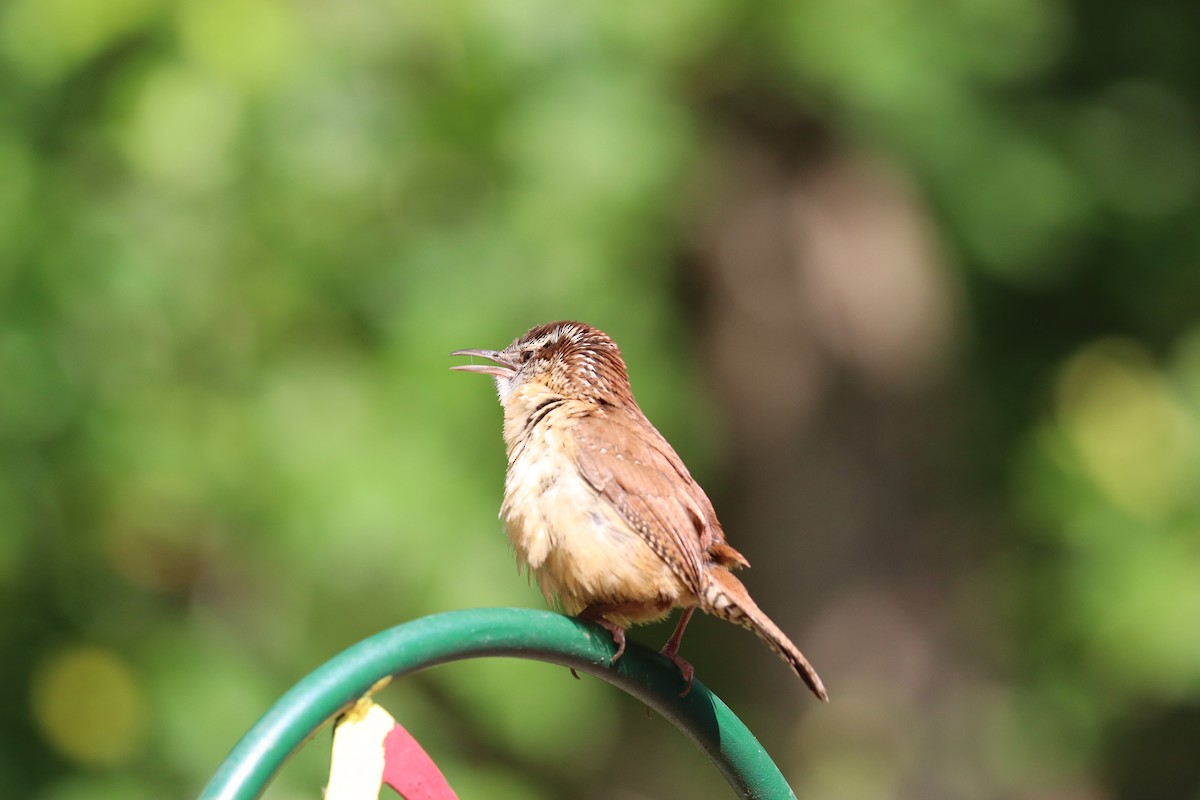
(727, 598)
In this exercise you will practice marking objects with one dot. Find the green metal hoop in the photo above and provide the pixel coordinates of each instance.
(519, 633)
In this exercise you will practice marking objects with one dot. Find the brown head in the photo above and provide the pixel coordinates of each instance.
(568, 359)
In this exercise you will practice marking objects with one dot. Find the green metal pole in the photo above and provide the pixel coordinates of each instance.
(519, 633)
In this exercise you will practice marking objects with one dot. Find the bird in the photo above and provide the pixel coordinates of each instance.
(600, 508)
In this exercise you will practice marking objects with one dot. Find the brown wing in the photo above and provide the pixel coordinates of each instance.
(632, 466)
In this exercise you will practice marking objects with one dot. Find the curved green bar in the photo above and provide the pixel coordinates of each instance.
(519, 633)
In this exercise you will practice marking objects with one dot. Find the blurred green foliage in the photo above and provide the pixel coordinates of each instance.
(237, 240)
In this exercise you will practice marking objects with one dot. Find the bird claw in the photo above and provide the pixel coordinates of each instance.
(686, 670)
(618, 634)
(596, 614)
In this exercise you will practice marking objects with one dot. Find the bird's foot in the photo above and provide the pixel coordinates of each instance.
(685, 669)
(618, 634)
(671, 651)
(596, 614)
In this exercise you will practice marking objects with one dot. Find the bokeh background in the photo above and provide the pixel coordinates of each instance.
(914, 288)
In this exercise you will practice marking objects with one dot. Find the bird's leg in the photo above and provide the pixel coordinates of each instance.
(671, 650)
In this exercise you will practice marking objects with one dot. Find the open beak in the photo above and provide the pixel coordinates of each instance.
(503, 368)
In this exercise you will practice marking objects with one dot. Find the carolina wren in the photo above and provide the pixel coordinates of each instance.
(599, 506)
